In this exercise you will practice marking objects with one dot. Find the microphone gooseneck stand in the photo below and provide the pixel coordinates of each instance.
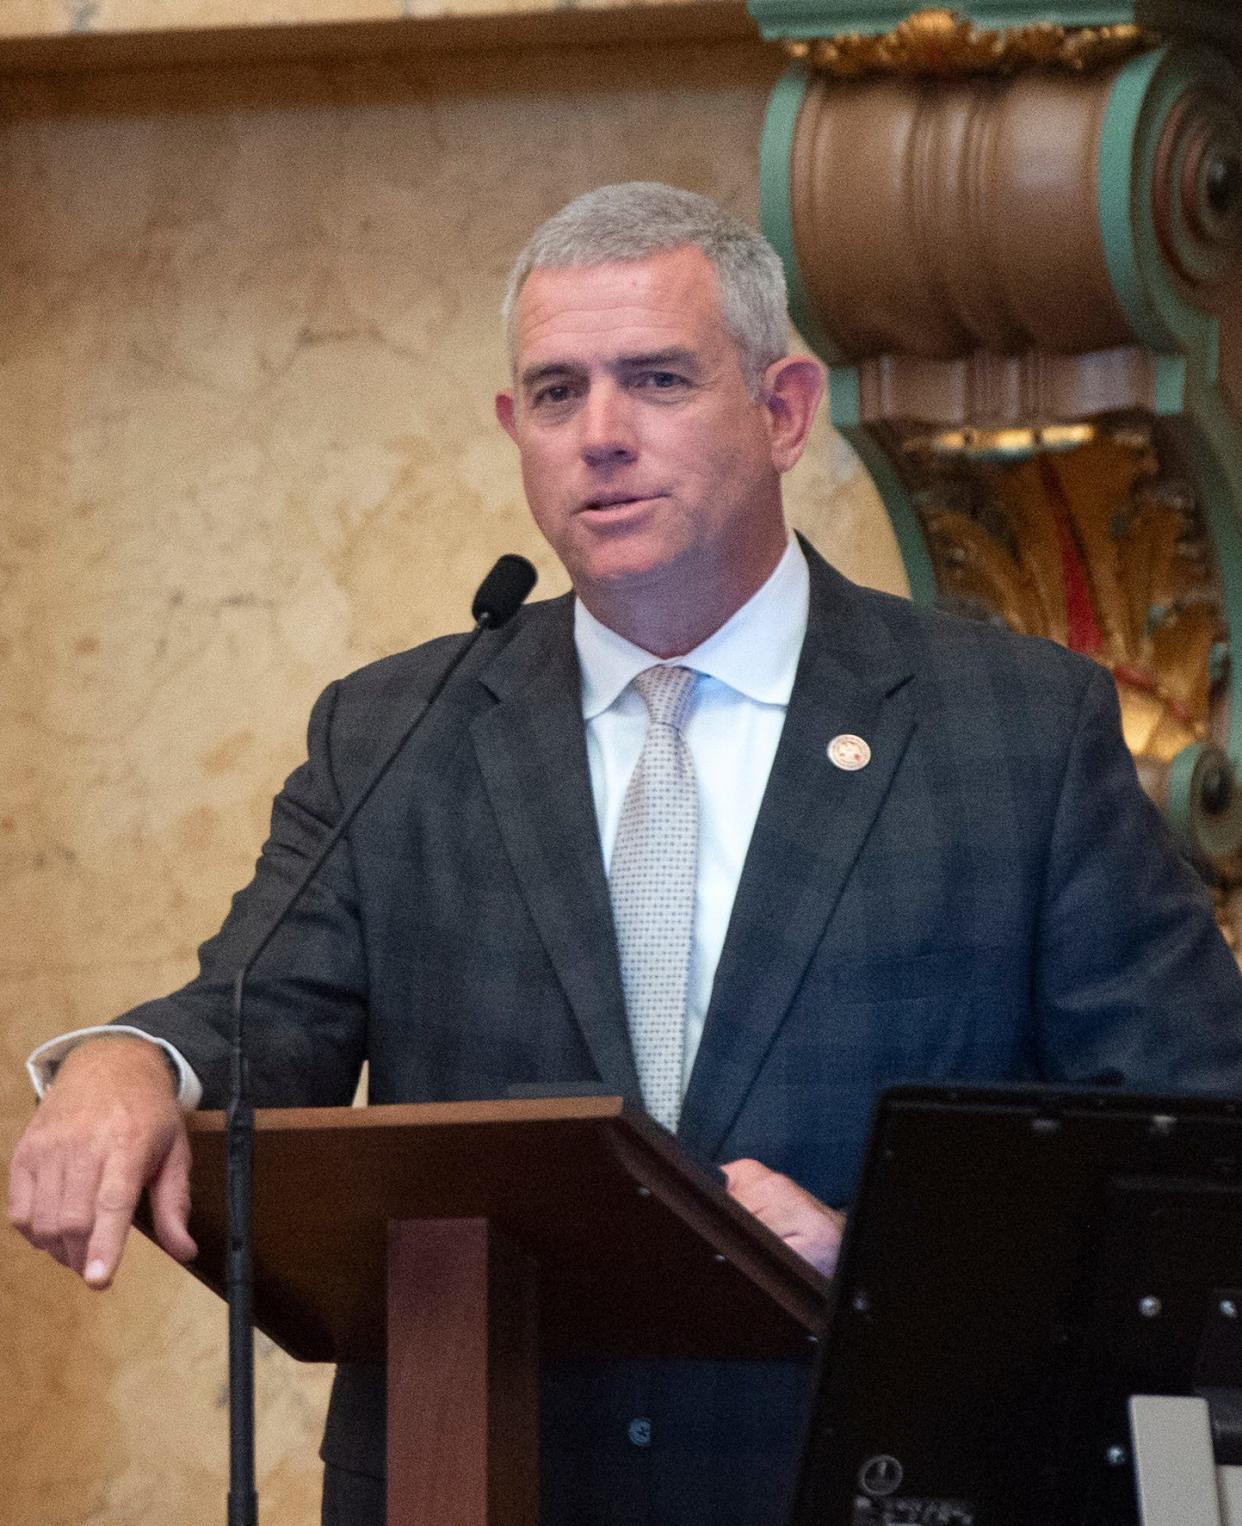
(500, 596)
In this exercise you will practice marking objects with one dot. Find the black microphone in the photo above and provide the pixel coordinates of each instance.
(500, 596)
(503, 591)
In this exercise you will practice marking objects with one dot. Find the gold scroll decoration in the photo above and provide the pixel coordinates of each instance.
(939, 43)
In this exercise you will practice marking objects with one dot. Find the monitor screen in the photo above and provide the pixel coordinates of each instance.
(1019, 1262)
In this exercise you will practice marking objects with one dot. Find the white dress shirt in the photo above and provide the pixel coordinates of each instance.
(746, 677)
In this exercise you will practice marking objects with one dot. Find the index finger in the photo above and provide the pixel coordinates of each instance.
(119, 1190)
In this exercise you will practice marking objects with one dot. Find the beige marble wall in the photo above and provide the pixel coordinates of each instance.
(247, 352)
(77, 18)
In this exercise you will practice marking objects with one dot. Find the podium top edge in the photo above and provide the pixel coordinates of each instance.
(401, 1115)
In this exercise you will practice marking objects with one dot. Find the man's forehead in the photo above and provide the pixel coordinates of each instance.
(662, 301)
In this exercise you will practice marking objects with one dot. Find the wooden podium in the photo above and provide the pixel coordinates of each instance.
(459, 1242)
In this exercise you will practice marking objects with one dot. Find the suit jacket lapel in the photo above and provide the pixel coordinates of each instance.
(812, 824)
(531, 749)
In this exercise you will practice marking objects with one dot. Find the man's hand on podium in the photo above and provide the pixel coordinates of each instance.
(804, 1223)
(108, 1126)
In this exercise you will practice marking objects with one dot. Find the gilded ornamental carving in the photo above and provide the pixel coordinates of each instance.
(940, 43)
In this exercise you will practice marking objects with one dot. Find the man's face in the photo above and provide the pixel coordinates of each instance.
(648, 467)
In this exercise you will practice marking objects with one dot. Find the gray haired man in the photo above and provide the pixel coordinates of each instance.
(721, 831)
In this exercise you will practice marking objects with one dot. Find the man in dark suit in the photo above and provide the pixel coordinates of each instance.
(921, 852)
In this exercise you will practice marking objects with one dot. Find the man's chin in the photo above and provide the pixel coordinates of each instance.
(624, 571)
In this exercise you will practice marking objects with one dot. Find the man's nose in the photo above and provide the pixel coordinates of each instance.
(608, 437)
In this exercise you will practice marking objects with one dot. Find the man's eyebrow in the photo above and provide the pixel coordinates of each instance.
(533, 375)
(678, 356)
(655, 360)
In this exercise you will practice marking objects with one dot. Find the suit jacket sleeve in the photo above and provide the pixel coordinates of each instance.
(1134, 984)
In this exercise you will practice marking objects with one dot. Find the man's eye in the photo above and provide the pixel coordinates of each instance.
(551, 395)
(659, 382)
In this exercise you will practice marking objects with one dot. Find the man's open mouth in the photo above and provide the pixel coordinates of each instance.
(619, 500)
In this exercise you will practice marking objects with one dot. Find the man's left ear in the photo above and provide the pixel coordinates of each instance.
(792, 388)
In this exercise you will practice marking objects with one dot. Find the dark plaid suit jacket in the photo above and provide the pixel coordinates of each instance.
(992, 897)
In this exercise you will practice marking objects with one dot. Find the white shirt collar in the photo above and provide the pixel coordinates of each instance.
(755, 651)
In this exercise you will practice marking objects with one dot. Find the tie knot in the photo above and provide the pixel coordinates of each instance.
(666, 693)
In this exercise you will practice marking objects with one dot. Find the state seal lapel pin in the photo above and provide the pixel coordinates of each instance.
(848, 752)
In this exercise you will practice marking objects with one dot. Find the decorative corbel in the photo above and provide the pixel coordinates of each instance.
(1018, 246)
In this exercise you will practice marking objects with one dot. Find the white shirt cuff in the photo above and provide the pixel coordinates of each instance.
(41, 1066)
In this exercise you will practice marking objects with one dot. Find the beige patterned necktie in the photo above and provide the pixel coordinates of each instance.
(652, 880)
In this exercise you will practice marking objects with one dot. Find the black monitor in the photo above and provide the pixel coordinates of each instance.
(1018, 1263)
